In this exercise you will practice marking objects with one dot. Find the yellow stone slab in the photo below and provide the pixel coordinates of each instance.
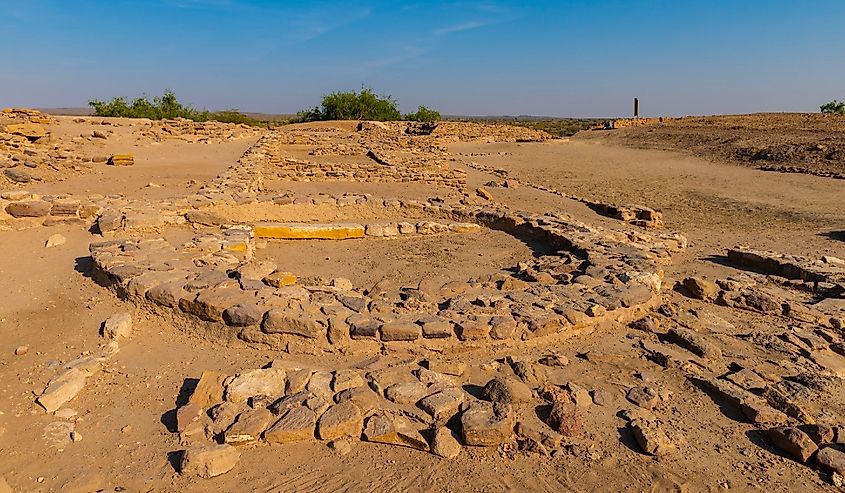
(304, 231)
(28, 130)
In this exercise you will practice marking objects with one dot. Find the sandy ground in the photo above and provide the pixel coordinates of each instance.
(53, 307)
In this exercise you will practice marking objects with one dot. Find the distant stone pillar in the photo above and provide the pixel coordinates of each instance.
(636, 108)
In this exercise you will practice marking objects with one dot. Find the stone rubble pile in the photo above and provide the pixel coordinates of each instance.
(421, 405)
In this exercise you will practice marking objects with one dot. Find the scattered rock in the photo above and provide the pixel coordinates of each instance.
(21, 350)
(701, 289)
(651, 437)
(645, 397)
(62, 389)
(487, 424)
(445, 444)
(118, 327)
(55, 240)
(794, 442)
(209, 461)
(506, 390)
(565, 417)
(832, 459)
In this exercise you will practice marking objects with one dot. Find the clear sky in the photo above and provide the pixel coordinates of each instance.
(487, 57)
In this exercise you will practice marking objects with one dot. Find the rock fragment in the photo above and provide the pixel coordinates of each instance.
(209, 461)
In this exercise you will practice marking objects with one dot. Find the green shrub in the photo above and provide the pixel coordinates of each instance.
(424, 114)
(164, 107)
(834, 107)
(361, 105)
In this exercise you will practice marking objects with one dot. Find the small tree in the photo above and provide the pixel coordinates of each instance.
(833, 108)
(424, 114)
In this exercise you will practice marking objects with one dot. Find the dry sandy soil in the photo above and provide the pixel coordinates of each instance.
(124, 424)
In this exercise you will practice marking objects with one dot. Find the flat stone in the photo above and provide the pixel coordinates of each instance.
(285, 404)
(362, 327)
(28, 208)
(296, 425)
(255, 270)
(435, 328)
(118, 327)
(651, 437)
(445, 444)
(694, 342)
(363, 397)
(187, 414)
(209, 389)
(645, 397)
(406, 392)
(472, 330)
(400, 331)
(701, 289)
(264, 382)
(210, 303)
(507, 390)
(393, 430)
(794, 442)
(340, 421)
(346, 379)
(167, 294)
(55, 240)
(832, 459)
(209, 461)
(487, 424)
(293, 231)
(18, 175)
(243, 315)
(443, 405)
(204, 218)
(279, 321)
(280, 279)
(62, 389)
(249, 426)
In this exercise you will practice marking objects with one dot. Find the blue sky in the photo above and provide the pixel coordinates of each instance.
(556, 58)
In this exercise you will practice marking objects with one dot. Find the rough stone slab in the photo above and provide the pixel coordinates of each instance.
(400, 331)
(62, 389)
(445, 444)
(443, 405)
(486, 424)
(793, 442)
(28, 208)
(651, 437)
(293, 231)
(209, 461)
(209, 389)
(267, 382)
(340, 421)
(393, 430)
(118, 327)
(279, 321)
(296, 425)
(248, 427)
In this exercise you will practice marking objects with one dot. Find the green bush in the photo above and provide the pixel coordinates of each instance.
(164, 107)
(361, 105)
(424, 114)
(834, 108)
